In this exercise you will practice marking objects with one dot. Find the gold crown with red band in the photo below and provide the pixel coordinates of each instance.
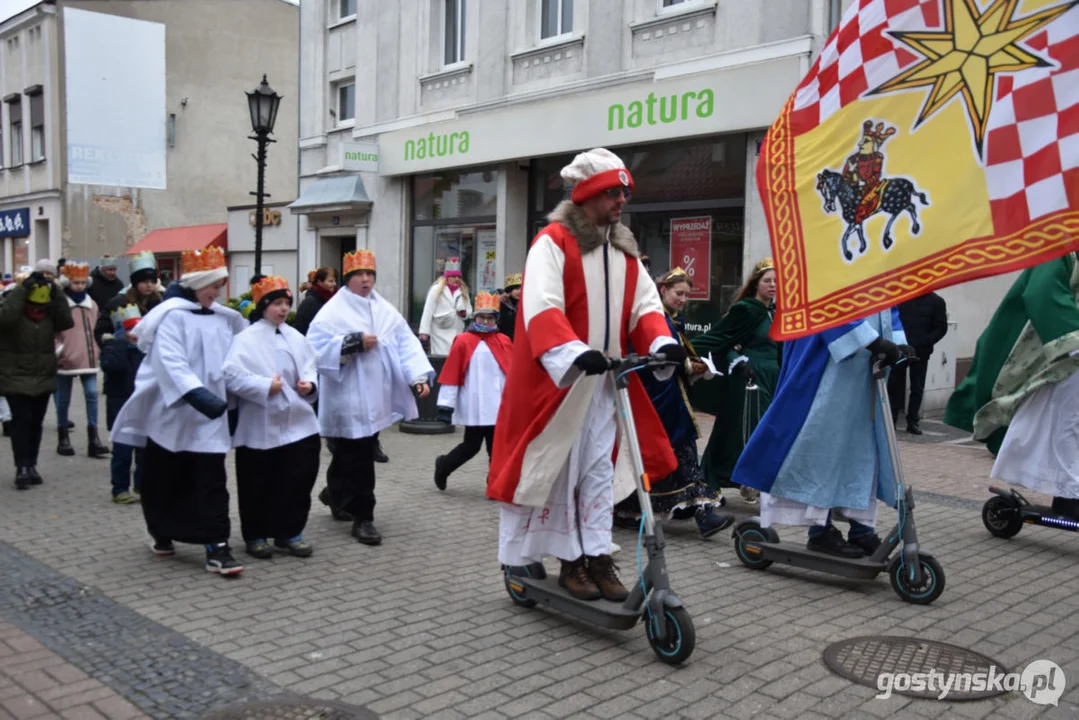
(602, 182)
(76, 271)
(193, 261)
(267, 285)
(360, 260)
(487, 303)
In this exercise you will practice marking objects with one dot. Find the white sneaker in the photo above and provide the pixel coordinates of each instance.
(615, 548)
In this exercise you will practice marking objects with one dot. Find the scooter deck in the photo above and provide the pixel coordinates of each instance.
(602, 613)
(1046, 517)
(788, 553)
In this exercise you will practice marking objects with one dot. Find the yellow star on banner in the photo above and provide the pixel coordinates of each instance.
(967, 54)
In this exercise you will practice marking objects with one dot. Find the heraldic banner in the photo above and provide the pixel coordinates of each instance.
(933, 142)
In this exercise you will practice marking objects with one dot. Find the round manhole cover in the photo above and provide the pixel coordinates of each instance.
(918, 668)
(299, 709)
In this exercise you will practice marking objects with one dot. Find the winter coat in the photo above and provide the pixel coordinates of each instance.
(27, 347)
(78, 353)
(120, 362)
(102, 290)
(507, 318)
(925, 320)
(104, 324)
(308, 308)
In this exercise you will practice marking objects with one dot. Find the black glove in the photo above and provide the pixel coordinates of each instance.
(445, 415)
(206, 403)
(592, 362)
(352, 344)
(744, 372)
(887, 350)
(908, 352)
(34, 280)
(673, 353)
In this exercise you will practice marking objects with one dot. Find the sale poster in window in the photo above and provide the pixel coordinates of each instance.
(486, 260)
(691, 250)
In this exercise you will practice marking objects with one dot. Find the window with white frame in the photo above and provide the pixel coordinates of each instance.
(672, 3)
(453, 27)
(346, 102)
(346, 9)
(15, 113)
(556, 18)
(37, 126)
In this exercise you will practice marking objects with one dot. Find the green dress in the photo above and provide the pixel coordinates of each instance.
(1041, 303)
(743, 331)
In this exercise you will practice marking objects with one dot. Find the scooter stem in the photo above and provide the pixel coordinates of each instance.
(629, 428)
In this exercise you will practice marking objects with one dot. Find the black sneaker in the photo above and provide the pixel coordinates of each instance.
(35, 478)
(867, 543)
(831, 542)
(219, 560)
(259, 549)
(709, 522)
(297, 547)
(22, 478)
(366, 532)
(163, 548)
(440, 472)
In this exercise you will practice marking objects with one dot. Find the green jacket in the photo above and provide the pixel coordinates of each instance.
(28, 348)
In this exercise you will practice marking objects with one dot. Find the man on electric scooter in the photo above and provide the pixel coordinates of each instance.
(585, 297)
(822, 444)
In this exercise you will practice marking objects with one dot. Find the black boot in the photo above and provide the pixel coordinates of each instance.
(366, 532)
(913, 428)
(380, 456)
(96, 449)
(441, 474)
(22, 478)
(338, 513)
(35, 479)
(63, 447)
(831, 542)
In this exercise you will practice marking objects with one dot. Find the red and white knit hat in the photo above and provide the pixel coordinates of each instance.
(595, 172)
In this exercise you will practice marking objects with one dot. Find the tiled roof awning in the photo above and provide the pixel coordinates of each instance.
(178, 239)
(333, 194)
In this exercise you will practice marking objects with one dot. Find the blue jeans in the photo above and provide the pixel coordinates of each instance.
(120, 465)
(63, 398)
(857, 529)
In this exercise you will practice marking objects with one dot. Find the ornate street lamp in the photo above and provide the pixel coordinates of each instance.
(262, 102)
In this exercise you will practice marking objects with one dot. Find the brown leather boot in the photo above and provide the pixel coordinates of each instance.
(602, 571)
(575, 579)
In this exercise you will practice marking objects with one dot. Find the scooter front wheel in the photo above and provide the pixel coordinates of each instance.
(681, 636)
(515, 589)
(928, 590)
(1001, 517)
(750, 531)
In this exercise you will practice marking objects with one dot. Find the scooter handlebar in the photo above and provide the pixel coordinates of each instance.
(634, 361)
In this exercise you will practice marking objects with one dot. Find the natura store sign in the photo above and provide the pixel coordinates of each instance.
(737, 98)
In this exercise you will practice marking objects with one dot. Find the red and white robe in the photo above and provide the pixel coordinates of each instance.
(474, 377)
(554, 463)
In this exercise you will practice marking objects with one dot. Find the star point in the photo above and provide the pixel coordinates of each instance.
(964, 57)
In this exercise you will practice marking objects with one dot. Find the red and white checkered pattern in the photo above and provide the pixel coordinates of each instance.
(859, 57)
(1032, 147)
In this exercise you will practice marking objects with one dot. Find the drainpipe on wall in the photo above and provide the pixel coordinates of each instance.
(835, 14)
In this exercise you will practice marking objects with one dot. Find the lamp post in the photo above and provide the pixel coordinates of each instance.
(262, 102)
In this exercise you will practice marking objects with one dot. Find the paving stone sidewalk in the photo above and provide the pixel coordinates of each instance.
(422, 626)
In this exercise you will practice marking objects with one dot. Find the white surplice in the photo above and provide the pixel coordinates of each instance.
(368, 391)
(441, 321)
(477, 401)
(258, 354)
(185, 350)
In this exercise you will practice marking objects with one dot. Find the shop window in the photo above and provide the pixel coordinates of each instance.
(556, 18)
(346, 102)
(346, 9)
(453, 24)
(37, 126)
(15, 113)
(453, 216)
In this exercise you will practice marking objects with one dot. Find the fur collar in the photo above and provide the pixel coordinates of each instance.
(588, 235)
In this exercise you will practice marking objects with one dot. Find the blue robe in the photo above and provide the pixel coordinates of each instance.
(669, 399)
(822, 441)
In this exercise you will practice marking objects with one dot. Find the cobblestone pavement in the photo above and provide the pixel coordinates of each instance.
(422, 627)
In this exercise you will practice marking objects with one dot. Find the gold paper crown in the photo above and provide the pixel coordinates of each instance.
(76, 271)
(266, 286)
(360, 260)
(211, 258)
(514, 279)
(674, 276)
(764, 265)
(487, 303)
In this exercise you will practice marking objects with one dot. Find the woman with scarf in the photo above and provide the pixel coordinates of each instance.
(446, 308)
(78, 357)
(322, 289)
(270, 369)
(751, 358)
(683, 493)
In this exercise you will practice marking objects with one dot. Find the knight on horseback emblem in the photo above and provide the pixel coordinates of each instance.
(862, 191)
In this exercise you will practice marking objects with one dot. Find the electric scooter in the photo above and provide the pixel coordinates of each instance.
(1007, 511)
(916, 576)
(667, 622)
